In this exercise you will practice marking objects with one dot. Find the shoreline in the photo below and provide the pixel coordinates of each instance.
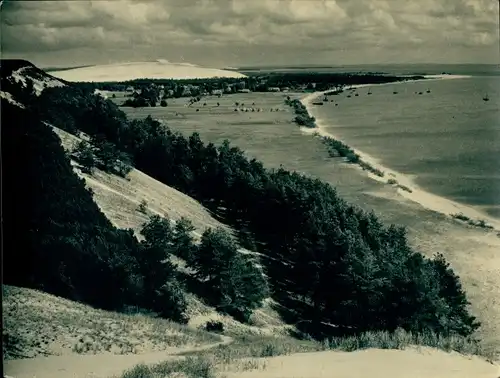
(402, 181)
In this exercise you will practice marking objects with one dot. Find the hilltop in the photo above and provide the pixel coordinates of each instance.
(105, 175)
(142, 70)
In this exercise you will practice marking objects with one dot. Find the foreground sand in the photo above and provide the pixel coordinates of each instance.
(97, 366)
(374, 363)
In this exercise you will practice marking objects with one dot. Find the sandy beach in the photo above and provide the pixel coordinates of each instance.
(424, 198)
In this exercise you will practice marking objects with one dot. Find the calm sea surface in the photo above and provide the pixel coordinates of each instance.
(448, 140)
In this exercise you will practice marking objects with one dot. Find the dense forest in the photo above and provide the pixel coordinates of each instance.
(333, 268)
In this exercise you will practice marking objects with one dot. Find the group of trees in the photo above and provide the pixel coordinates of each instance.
(99, 153)
(59, 241)
(302, 117)
(329, 261)
(146, 96)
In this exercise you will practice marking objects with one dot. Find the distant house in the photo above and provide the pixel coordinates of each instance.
(285, 89)
(129, 89)
(186, 90)
(244, 90)
(216, 92)
(273, 89)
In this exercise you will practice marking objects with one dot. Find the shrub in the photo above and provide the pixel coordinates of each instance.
(163, 103)
(214, 326)
(139, 102)
(143, 207)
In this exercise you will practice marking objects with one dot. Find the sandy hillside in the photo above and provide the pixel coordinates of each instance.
(38, 324)
(119, 198)
(374, 363)
(137, 70)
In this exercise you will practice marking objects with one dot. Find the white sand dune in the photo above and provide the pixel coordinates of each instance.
(425, 199)
(374, 363)
(138, 70)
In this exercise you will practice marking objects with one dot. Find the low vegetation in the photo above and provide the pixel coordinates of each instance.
(191, 367)
(302, 117)
(337, 148)
(266, 346)
(39, 324)
(476, 223)
(247, 352)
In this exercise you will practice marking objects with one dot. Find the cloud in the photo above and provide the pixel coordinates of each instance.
(32, 27)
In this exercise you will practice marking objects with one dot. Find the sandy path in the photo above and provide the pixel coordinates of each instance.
(96, 366)
(374, 363)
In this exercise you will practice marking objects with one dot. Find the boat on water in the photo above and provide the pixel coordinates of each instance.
(369, 92)
(317, 103)
(486, 98)
(428, 91)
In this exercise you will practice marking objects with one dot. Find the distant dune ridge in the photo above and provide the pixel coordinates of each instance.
(161, 69)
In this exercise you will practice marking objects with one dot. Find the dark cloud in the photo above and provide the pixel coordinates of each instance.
(225, 27)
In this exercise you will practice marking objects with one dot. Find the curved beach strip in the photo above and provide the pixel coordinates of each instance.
(425, 199)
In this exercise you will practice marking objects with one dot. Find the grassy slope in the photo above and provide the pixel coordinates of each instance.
(42, 324)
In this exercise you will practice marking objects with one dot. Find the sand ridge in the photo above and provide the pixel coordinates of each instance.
(137, 70)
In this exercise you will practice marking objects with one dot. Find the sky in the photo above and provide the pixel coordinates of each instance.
(235, 33)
